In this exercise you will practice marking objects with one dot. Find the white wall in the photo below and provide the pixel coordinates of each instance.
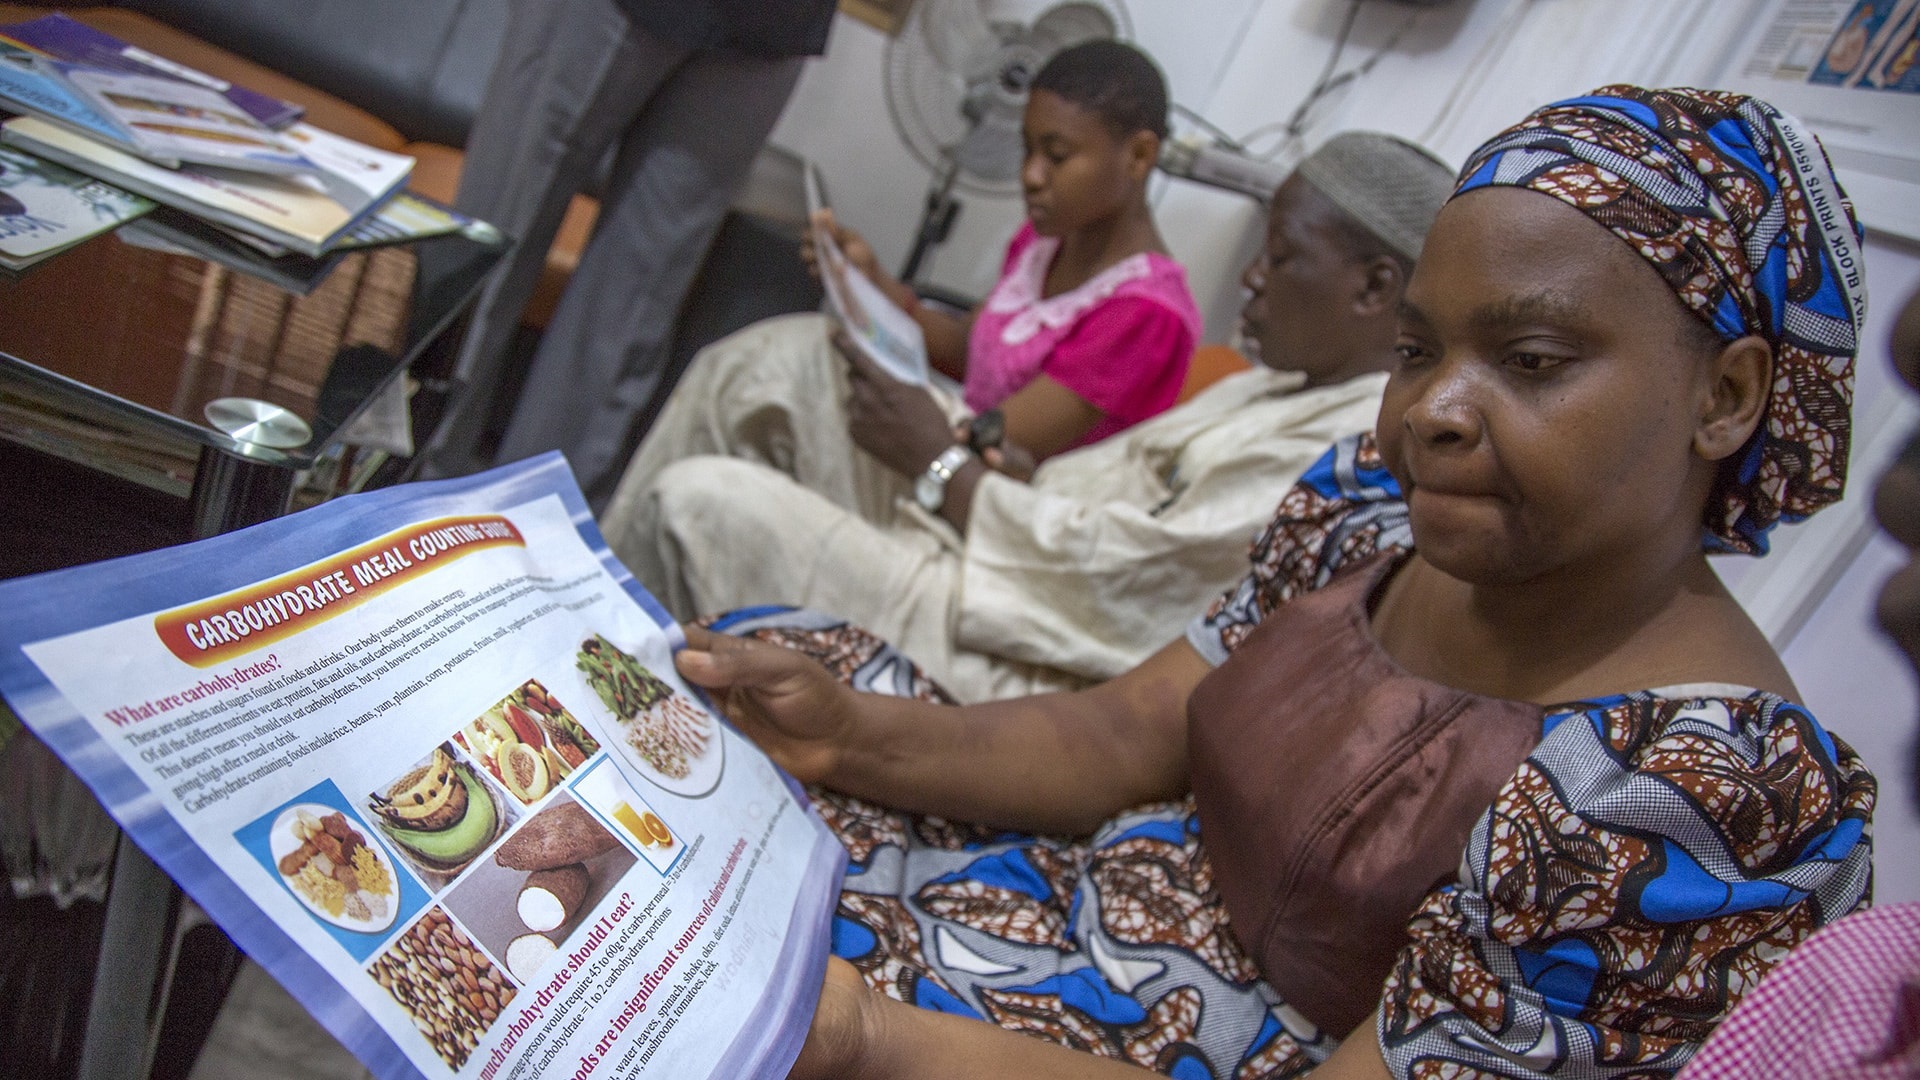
(1850, 675)
(1459, 73)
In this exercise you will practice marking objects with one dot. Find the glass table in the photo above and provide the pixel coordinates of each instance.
(177, 357)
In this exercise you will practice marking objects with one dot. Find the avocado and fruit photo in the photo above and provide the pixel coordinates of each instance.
(529, 742)
(440, 812)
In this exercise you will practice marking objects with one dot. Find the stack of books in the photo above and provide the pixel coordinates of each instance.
(238, 160)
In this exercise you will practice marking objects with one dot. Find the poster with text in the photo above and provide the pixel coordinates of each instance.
(1851, 70)
(424, 754)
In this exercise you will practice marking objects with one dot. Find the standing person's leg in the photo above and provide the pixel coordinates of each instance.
(679, 168)
(573, 75)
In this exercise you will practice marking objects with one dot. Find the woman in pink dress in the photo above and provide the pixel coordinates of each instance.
(1091, 324)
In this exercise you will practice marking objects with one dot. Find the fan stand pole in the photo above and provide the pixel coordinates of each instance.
(936, 222)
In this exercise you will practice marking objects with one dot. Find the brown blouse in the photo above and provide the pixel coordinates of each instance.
(1335, 790)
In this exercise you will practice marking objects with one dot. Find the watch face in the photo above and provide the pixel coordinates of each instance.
(929, 493)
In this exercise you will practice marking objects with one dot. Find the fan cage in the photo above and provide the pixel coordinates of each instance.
(925, 96)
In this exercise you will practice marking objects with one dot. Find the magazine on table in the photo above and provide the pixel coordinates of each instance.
(304, 213)
(67, 39)
(182, 234)
(27, 86)
(45, 209)
(410, 215)
(424, 754)
(172, 122)
(168, 114)
(878, 328)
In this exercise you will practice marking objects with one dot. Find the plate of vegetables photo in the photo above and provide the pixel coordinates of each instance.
(668, 735)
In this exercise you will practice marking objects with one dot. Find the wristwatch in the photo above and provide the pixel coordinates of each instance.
(930, 490)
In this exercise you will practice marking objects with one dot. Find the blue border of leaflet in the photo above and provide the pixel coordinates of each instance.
(62, 602)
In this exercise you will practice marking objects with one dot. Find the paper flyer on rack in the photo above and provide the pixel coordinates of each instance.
(424, 754)
(1851, 70)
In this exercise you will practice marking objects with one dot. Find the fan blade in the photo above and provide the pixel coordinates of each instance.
(1069, 24)
(957, 33)
(991, 152)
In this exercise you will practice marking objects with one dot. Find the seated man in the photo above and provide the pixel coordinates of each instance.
(1020, 587)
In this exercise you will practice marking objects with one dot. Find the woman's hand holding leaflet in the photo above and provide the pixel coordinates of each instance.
(859, 253)
(784, 701)
(898, 423)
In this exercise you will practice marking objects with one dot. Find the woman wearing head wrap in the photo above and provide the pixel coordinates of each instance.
(1493, 776)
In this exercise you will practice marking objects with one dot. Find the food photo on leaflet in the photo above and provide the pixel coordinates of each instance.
(441, 813)
(529, 741)
(665, 735)
(607, 793)
(524, 902)
(334, 863)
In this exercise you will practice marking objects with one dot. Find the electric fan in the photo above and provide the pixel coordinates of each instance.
(956, 83)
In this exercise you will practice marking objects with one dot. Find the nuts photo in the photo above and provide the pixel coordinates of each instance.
(445, 983)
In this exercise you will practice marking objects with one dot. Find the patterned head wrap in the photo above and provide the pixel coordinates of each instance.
(1735, 204)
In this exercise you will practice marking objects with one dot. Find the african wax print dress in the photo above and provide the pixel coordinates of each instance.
(1652, 858)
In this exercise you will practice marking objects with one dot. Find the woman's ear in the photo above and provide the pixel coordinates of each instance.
(1143, 153)
(1734, 400)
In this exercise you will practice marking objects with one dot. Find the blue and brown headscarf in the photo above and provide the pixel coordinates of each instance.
(1735, 204)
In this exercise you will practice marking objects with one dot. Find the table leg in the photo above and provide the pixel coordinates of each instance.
(133, 945)
(132, 978)
(232, 492)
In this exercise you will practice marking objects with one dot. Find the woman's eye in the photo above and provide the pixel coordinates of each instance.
(1410, 353)
(1527, 361)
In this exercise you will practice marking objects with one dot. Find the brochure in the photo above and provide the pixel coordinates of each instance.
(424, 754)
(68, 39)
(45, 209)
(1851, 70)
(357, 176)
(28, 86)
(880, 330)
(174, 123)
(171, 231)
(410, 215)
(303, 213)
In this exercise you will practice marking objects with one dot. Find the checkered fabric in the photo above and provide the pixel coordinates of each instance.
(1845, 1003)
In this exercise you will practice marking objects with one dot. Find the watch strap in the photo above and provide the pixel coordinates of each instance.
(930, 490)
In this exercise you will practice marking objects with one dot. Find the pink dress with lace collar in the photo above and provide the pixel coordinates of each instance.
(1121, 341)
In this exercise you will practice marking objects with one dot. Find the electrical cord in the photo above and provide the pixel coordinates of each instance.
(1207, 125)
(1295, 125)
